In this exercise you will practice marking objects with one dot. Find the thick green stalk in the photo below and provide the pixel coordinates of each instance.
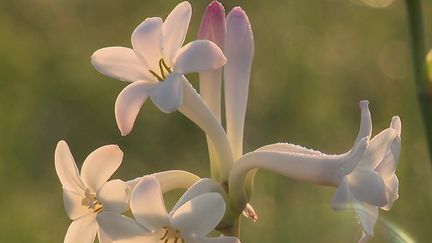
(423, 84)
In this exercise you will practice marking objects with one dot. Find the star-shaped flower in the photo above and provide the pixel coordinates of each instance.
(191, 219)
(88, 194)
(156, 64)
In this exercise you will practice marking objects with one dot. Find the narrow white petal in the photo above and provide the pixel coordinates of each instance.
(365, 121)
(342, 197)
(175, 179)
(200, 187)
(114, 196)
(392, 192)
(122, 229)
(128, 104)
(99, 166)
(396, 124)
(82, 230)
(199, 216)
(147, 204)
(120, 63)
(174, 30)
(66, 169)
(367, 215)
(377, 149)
(239, 51)
(147, 42)
(73, 205)
(198, 56)
(367, 186)
(221, 239)
(168, 95)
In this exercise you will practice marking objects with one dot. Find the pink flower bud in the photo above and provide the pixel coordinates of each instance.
(213, 24)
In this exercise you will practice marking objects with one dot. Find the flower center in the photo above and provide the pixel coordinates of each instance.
(91, 202)
(171, 234)
(163, 67)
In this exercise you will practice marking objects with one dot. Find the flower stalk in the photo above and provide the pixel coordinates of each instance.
(418, 49)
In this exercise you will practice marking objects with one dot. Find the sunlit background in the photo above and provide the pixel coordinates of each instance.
(314, 61)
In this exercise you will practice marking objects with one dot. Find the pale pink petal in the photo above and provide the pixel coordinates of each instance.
(66, 169)
(367, 186)
(99, 166)
(342, 197)
(174, 30)
(120, 63)
(212, 25)
(147, 204)
(74, 206)
(198, 56)
(199, 216)
(168, 95)
(147, 42)
(367, 215)
(114, 196)
(82, 230)
(103, 237)
(128, 104)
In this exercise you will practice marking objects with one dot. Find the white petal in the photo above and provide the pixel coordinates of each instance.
(341, 199)
(198, 56)
(200, 215)
(239, 51)
(392, 192)
(367, 215)
(99, 166)
(114, 196)
(82, 230)
(221, 239)
(168, 95)
(202, 186)
(129, 103)
(396, 124)
(73, 205)
(103, 237)
(377, 149)
(66, 169)
(365, 121)
(175, 179)
(147, 204)
(123, 229)
(289, 148)
(147, 40)
(367, 186)
(174, 30)
(120, 63)
(388, 165)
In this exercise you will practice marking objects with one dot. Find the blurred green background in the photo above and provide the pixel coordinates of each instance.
(314, 61)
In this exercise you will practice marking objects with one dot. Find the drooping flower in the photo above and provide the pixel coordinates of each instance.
(195, 215)
(156, 64)
(89, 193)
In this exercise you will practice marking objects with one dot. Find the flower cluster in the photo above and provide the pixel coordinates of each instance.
(364, 177)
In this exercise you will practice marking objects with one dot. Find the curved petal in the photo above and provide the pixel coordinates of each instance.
(103, 237)
(120, 63)
(392, 192)
(147, 204)
(199, 216)
(341, 199)
(73, 205)
(367, 215)
(66, 169)
(99, 166)
(367, 186)
(123, 229)
(221, 239)
(200, 187)
(168, 95)
(365, 121)
(198, 56)
(147, 41)
(377, 149)
(174, 30)
(129, 103)
(114, 196)
(82, 230)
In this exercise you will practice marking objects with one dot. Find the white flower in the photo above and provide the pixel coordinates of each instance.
(191, 219)
(156, 64)
(373, 183)
(88, 194)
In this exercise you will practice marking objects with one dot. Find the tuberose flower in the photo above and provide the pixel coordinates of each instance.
(194, 216)
(90, 193)
(156, 64)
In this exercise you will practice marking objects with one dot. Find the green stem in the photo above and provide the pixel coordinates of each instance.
(423, 85)
(234, 229)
